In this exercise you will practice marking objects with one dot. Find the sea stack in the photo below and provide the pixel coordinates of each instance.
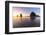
(20, 15)
(32, 15)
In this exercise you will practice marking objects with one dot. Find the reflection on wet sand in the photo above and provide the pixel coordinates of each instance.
(26, 22)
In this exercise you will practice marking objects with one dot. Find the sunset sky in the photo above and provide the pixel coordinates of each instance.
(25, 11)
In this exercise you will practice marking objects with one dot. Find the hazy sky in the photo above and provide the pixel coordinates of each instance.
(25, 10)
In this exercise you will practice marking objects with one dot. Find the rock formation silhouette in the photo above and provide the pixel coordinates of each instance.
(32, 15)
(20, 15)
(17, 15)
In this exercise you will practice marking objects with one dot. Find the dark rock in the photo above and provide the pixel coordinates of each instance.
(20, 15)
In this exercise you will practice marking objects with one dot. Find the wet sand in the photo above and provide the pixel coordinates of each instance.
(26, 22)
